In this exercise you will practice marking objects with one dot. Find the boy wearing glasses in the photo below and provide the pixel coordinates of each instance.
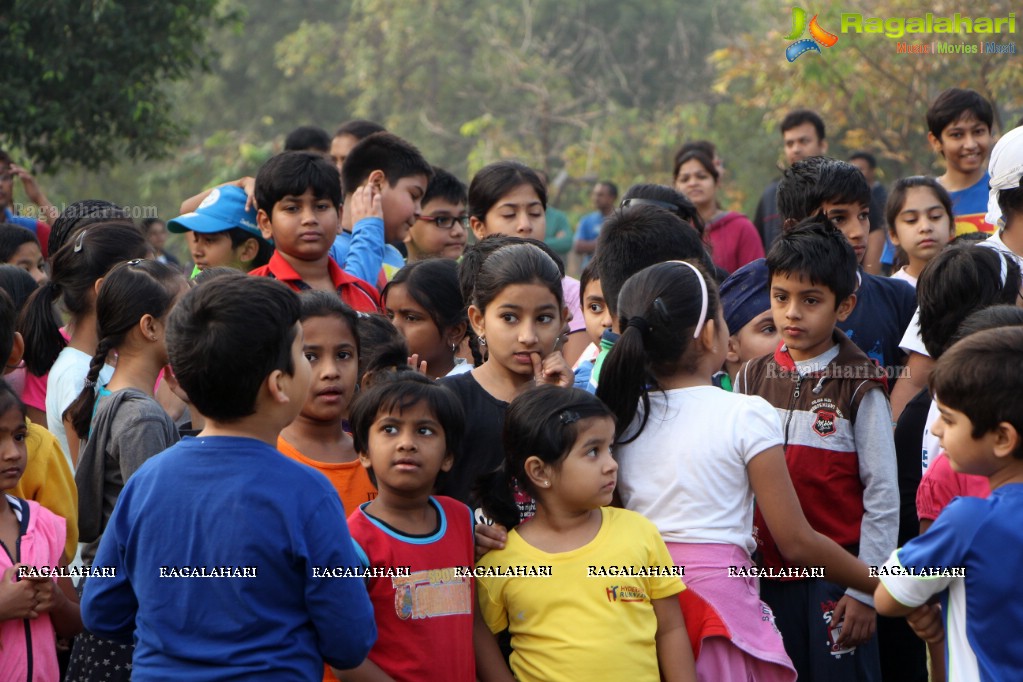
(440, 231)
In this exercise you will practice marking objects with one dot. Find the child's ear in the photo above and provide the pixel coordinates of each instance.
(935, 143)
(447, 462)
(1007, 439)
(538, 472)
(17, 350)
(147, 325)
(476, 320)
(275, 384)
(788, 224)
(379, 179)
(893, 236)
(247, 252)
(709, 335)
(456, 333)
(263, 221)
(846, 307)
(364, 461)
(478, 228)
(732, 354)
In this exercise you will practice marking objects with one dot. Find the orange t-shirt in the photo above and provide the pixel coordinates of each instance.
(349, 478)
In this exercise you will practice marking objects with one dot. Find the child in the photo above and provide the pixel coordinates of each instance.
(919, 213)
(571, 626)
(222, 231)
(838, 448)
(440, 231)
(317, 437)
(381, 346)
(75, 270)
(120, 423)
(977, 387)
(884, 306)
(299, 195)
(407, 431)
(349, 134)
(424, 302)
(20, 247)
(384, 180)
(747, 308)
(692, 458)
(509, 198)
(1005, 200)
(959, 129)
(517, 312)
(226, 503)
(34, 611)
(597, 318)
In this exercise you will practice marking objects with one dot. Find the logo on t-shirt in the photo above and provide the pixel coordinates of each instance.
(432, 593)
(625, 593)
(824, 424)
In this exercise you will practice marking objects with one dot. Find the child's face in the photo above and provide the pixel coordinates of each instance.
(965, 144)
(587, 476)
(407, 450)
(29, 258)
(418, 328)
(519, 213)
(522, 322)
(296, 386)
(853, 220)
(340, 147)
(595, 311)
(210, 250)
(402, 205)
(329, 346)
(966, 454)
(13, 453)
(303, 226)
(758, 337)
(805, 314)
(922, 227)
(428, 237)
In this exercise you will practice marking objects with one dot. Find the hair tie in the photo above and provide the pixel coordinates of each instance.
(639, 323)
(89, 384)
(703, 292)
(568, 417)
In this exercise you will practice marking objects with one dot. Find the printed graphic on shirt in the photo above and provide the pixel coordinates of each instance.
(834, 630)
(432, 593)
(625, 593)
(826, 416)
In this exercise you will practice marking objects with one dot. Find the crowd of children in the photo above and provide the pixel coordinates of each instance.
(729, 451)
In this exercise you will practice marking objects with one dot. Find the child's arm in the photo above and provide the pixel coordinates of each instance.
(887, 605)
(366, 250)
(489, 537)
(674, 653)
(490, 664)
(17, 597)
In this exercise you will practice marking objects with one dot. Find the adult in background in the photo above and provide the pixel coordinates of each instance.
(605, 197)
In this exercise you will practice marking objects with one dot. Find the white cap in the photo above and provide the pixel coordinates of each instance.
(1006, 170)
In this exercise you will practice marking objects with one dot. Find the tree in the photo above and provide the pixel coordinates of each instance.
(84, 82)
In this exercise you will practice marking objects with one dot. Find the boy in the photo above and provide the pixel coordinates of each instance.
(884, 306)
(972, 550)
(1005, 199)
(959, 129)
(8, 209)
(407, 430)
(838, 447)
(598, 320)
(384, 180)
(227, 505)
(605, 196)
(299, 196)
(747, 308)
(441, 230)
(222, 232)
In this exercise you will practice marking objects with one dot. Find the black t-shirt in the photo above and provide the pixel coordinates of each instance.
(909, 435)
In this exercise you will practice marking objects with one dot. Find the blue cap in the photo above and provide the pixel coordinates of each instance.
(223, 209)
(744, 295)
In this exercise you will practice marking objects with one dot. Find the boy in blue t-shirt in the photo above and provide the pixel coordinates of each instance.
(214, 543)
(969, 557)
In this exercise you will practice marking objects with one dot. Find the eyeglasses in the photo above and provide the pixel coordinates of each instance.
(446, 222)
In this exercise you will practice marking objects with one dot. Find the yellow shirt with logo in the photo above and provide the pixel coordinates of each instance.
(592, 618)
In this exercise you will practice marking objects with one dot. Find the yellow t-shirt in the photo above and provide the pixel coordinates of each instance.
(575, 625)
(349, 478)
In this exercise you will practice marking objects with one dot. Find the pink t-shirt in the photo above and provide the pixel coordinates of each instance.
(941, 484)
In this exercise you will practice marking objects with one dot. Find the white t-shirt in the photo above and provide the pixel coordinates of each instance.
(687, 470)
(911, 340)
(931, 444)
(65, 382)
(904, 276)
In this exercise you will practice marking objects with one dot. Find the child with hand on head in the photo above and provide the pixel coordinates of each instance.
(35, 608)
(747, 308)
(692, 457)
(441, 230)
(571, 625)
(317, 436)
(919, 213)
(598, 321)
(425, 304)
(299, 196)
(408, 431)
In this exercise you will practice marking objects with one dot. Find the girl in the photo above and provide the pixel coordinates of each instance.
(20, 247)
(919, 213)
(576, 626)
(509, 198)
(75, 271)
(517, 314)
(424, 303)
(34, 611)
(693, 456)
(733, 239)
(124, 425)
(317, 437)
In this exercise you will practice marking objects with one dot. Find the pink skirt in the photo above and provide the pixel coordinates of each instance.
(731, 630)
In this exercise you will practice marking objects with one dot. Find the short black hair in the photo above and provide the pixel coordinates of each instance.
(291, 174)
(400, 392)
(385, 152)
(638, 237)
(667, 198)
(359, 128)
(950, 106)
(149, 222)
(589, 274)
(866, 156)
(18, 284)
(381, 345)
(11, 239)
(307, 138)
(816, 250)
(611, 187)
(225, 339)
(807, 184)
(798, 117)
(980, 376)
(1010, 202)
(444, 185)
(79, 215)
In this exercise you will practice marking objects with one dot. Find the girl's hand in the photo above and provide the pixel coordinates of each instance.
(489, 537)
(17, 597)
(47, 595)
(413, 362)
(552, 370)
(174, 386)
(366, 202)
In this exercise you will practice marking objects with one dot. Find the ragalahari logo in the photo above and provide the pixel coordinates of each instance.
(818, 36)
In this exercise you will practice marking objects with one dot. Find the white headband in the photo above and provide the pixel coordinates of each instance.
(1005, 169)
(703, 292)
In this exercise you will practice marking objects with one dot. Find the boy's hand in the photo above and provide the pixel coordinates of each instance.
(248, 183)
(927, 623)
(552, 370)
(489, 537)
(18, 598)
(366, 203)
(859, 621)
(174, 386)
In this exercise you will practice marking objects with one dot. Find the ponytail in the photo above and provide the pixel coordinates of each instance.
(624, 379)
(79, 413)
(40, 327)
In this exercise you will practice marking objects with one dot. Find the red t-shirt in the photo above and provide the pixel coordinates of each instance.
(358, 293)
